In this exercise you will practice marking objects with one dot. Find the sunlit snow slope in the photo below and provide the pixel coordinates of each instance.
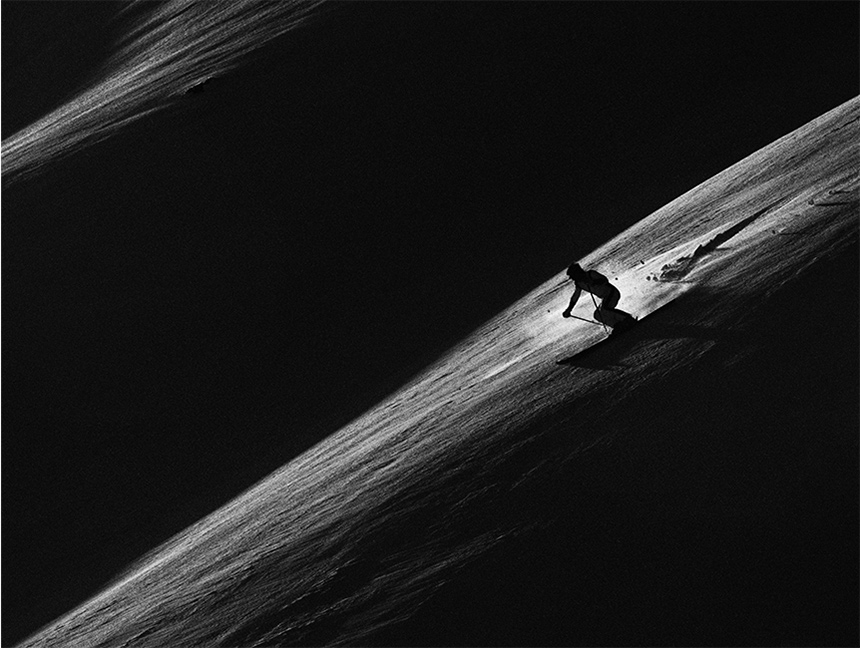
(349, 538)
(171, 48)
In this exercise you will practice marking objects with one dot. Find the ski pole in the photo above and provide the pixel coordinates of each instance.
(597, 308)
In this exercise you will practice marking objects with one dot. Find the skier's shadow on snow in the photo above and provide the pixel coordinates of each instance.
(609, 354)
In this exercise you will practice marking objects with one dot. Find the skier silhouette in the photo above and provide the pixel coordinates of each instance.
(595, 283)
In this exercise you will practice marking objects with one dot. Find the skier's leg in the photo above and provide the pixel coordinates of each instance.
(608, 314)
(611, 300)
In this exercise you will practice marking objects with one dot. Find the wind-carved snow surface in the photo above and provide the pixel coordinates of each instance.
(172, 48)
(353, 535)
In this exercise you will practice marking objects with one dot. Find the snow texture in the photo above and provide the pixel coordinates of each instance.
(349, 539)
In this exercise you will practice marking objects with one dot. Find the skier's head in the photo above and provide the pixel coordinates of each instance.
(575, 272)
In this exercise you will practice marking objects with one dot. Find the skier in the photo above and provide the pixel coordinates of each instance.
(595, 283)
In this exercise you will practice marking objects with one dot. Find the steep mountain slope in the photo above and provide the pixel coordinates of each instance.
(694, 483)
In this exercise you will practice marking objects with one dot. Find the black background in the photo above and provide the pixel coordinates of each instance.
(190, 304)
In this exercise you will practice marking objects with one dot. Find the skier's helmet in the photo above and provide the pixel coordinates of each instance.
(575, 271)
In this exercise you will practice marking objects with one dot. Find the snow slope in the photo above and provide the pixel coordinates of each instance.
(171, 49)
(483, 483)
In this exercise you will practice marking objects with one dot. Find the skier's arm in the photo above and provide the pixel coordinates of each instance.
(573, 299)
